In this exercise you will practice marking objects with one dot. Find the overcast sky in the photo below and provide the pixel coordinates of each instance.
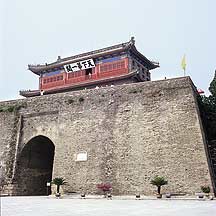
(37, 31)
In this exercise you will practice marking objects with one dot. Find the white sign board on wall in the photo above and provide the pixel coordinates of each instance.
(82, 156)
(82, 65)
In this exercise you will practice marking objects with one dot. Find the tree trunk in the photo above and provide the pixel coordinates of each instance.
(58, 187)
(159, 189)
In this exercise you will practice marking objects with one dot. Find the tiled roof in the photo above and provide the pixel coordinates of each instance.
(37, 69)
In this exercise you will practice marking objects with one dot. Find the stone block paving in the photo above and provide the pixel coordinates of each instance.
(44, 206)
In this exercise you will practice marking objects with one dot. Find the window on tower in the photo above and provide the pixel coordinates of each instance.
(112, 66)
(52, 79)
(88, 71)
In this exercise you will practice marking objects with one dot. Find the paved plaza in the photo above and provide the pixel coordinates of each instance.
(44, 206)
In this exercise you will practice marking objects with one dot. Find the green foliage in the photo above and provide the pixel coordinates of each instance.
(58, 182)
(12, 108)
(159, 181)
(208, 111)
(7, 108)
(134, 91)
(209, 103)
(205, 189)
(212, 87)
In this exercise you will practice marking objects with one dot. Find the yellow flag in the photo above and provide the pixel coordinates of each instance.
(183, 63)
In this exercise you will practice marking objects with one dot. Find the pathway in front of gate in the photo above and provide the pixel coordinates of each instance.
(44, 206)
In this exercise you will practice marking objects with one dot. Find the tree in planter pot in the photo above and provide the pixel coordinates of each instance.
(58, 182)
(106, 188)
(159, 181)
(206, 190)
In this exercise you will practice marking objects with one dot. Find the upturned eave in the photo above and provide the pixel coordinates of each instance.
(123, 47)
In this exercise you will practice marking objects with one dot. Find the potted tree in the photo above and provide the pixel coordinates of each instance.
(106, 188)
(206, 190)
(58, 182)
(159, 181)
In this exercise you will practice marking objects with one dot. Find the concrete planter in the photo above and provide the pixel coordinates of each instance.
(200, 195)
(109, 196)
(159, 196)
(137, 196)
(83, 196)
(168, 195)
(58, 195)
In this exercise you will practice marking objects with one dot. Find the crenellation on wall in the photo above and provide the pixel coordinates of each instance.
(130, 133)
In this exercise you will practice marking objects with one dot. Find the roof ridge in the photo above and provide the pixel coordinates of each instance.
(120, 45)
(97, 51)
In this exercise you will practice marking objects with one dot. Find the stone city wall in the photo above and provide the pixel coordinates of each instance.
(130, 133)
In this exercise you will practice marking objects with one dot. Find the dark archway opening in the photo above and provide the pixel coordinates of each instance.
(34, 166)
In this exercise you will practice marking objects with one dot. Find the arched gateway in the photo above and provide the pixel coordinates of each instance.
(34, 166)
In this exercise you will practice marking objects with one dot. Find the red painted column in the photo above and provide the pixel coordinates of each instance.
(65, 77)
(40, 82)
(97, 69)
(127, 64)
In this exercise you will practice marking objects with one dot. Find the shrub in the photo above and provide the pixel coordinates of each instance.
(12, 108)
(105, 187)
(7, 108)
(134, 91)
(205, 189)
